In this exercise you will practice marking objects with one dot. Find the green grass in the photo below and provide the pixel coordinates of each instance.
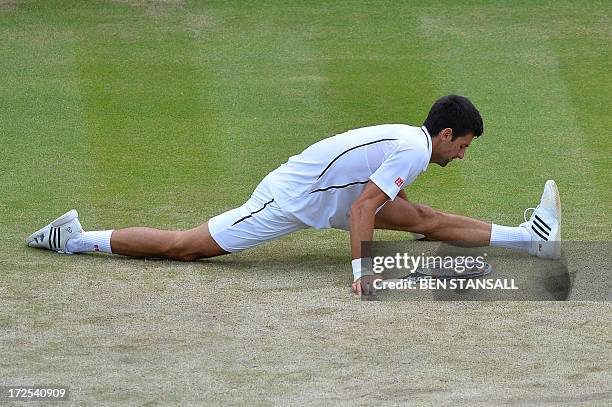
(165, 113)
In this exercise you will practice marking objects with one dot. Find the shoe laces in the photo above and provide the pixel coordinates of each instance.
(527, 210)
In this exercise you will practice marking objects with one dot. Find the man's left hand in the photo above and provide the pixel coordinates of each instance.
(365, 285)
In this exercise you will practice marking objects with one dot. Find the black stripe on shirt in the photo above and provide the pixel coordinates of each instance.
(350, 149)
(339, 186)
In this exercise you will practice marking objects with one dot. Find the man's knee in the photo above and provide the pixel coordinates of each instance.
(182, 247)
(425, 219)
(193, 244)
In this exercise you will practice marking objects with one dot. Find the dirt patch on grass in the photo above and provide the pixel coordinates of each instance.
(198, 24)
(154, 8)
(7, 6)
(246, 328)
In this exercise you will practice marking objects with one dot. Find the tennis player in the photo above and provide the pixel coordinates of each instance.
(353, 181)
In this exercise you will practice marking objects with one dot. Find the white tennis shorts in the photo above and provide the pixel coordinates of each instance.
(258, 221)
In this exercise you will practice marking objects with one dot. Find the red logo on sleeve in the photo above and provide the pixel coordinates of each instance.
(399, 182)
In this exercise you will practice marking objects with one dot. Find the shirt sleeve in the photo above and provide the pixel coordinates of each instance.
(400, 168)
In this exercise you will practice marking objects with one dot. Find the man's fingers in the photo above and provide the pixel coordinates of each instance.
(357, 288)
(367, 285)
(364, 286)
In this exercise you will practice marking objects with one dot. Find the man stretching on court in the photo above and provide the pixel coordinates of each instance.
(352, 181)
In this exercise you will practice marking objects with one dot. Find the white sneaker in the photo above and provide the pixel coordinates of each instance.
(55, 235)
(544, 225)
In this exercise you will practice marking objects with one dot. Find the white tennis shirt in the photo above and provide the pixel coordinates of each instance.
(319, 185)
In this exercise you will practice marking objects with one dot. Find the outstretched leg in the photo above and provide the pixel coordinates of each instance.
(187, 245)
(435, 225)
(539, 235)
(65, 235)
(258, 221)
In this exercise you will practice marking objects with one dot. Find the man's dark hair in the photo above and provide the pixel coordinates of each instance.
(456, 112)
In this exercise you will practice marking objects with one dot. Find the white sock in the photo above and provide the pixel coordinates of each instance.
(97, 241)
(512, 237)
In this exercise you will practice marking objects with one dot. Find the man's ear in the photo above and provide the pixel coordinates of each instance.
(446, 134)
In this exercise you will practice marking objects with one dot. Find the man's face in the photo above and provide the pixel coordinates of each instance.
(449, 149)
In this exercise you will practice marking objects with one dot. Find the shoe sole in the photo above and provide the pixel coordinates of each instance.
(557, 237)
(553, 185)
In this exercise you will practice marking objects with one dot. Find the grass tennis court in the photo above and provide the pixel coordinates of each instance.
(165, 113)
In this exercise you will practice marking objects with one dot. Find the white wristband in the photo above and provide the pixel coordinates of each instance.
(362, 267)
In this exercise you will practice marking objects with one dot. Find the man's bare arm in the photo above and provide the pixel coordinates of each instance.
(402, 194)
(363, 212)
